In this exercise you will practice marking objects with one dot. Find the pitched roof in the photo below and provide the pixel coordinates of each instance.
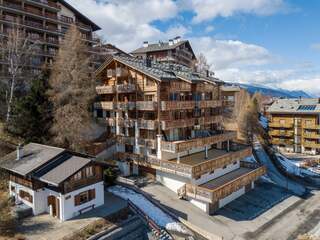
(34, 156)
(299, 106)
(159, 70)
(162, 46)
(95, 27)
(61, 172)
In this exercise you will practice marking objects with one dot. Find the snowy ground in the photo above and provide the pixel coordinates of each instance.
(293, 167)
(155, 213)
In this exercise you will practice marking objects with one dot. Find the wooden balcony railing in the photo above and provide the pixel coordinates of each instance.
(149, 143)
(180, 86)
(219, 162)
(281, 133)
(126, 88)
(311, 135)
(277, 141)
(105, 89)
(146, 105)
(176, 105)
(214, 195)
(280, 125)
(184, 145)
(312, 126)
(147, 124)
(189, 122)
(46, 3)
(105, 105)
(311, 144)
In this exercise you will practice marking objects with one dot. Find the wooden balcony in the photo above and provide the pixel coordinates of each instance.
(149, 143)
(210, 119)
(225, 185)
(180, 123)
(45, 3)
(128, 123)
(146, 105)
(105, 105)
(191, 166)
(311, 135)
(281, 133)
(126, 106)
(147, 124)
(126, 88)
(180, 86)
(311, 144)
(277, 141)
(185, 145)
(105, 89)
(280, 125)
(313, 126)
(176, 105)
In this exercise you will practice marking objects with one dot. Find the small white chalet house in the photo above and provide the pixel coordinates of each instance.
(54, 180)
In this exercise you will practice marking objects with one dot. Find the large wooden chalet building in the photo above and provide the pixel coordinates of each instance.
(166, 120)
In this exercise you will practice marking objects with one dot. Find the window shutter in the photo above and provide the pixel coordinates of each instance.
(77, 200)
(92, 194)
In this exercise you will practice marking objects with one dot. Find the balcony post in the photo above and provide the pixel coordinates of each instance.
(228, 146)
(159, 153)
(206, 151)
(178, 157)
(136, 137)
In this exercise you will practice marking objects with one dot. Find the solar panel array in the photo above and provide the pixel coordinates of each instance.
(307, 107)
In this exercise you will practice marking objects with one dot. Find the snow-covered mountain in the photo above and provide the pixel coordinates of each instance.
(274, 92)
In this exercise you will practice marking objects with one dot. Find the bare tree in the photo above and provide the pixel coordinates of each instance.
(17, 51)
(72, 90)
(202, 63)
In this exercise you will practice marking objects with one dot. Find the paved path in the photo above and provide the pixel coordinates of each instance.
(274, 174)
(233, 221)
(45, 227)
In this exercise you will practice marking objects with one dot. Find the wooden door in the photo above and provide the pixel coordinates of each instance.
(54, 202)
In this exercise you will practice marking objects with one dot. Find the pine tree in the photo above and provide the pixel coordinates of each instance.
(72, 91)
(32, 113)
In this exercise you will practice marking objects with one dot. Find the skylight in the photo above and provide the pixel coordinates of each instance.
(307, 107)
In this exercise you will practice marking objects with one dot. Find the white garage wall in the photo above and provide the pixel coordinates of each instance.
(171, 181)
(231, 197)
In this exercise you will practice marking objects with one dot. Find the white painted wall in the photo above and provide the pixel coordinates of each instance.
(171, 181)
(231, 197)
(69, 210)
(203, 206)
(217, 173)
(124, 168)
(67, 207)
(66, 12)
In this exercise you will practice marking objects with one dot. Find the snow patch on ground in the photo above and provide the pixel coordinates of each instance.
(264, 122)
(155, 213)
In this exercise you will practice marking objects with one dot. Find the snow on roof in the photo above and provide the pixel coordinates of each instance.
(301, 106)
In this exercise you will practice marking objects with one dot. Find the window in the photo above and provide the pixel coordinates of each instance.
(26, 196)
(13, 188)
(84, 197)
(89, 171)
(66, 19)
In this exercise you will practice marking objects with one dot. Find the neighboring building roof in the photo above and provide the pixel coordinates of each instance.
(95, 27)
(64, 170)
(298, 106)
(34, 156)
(159, 70)
(162, 46)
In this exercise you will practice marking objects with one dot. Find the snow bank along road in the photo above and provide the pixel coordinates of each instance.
(274, 174)
(156, 214)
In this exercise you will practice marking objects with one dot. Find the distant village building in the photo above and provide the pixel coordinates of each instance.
(295, 125)
(53, 180)
(166, 121)
(174, 51)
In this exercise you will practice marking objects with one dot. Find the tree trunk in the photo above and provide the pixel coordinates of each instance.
(10, 99)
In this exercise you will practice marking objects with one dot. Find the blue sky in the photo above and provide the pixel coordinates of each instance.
(268, 42)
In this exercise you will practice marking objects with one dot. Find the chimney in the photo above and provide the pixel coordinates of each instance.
(207, 73)
(170, 42)
(145, 44)
(178, 39)
(19, 152)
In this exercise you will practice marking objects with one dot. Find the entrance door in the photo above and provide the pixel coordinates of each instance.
(54, 203)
